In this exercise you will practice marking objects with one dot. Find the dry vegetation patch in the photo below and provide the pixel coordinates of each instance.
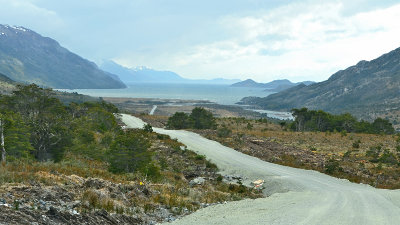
(363, 158)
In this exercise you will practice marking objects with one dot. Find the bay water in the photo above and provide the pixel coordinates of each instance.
(220, 94)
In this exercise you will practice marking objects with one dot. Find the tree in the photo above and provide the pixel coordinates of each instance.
(94, 128)
(382, 126)
(300, 116)
(47, 118)
(3, 150)
(128, 152)
(179, 120)
(202, 119)
(311, 120)
(14, 137)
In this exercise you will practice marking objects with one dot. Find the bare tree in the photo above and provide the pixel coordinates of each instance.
(3, 150)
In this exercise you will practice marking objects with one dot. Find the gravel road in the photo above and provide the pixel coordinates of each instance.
(296, 196)
(153, 110)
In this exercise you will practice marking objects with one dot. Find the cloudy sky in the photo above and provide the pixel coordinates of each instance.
(259, 39)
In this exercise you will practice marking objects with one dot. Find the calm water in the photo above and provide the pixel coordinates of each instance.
(221, 94)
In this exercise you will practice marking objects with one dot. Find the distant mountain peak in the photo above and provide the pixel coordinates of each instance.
(274, 86)
(139, 68)
(15, 28)
(143, 74)
(28, 57)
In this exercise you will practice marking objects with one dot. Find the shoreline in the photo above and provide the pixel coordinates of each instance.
(167, 107)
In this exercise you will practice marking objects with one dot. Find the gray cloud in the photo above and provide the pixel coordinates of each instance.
(261, 39)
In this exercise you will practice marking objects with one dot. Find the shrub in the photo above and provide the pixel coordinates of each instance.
(332, 166)
(202, 119)
(388, 157)
(148, 128)
(249, 126)
(151, 171)
(129, 152)
(347, 154)
(224, 132)
(200, 157)
(179, 120)
(356, 144)
(374, 152)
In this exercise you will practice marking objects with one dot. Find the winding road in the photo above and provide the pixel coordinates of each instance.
(296, 196)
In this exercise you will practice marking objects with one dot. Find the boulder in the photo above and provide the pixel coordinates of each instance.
(197, 181)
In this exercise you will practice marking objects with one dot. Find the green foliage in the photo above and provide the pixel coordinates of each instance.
(179, 120)
(200, 157)
(40, 126)
(356, 144)
(374, 153)
(249, 126)
(46, 117)
(332, 166)
(128, 152)
(148, 128)
(311, 120)
(347, 154)
(388, 157)
(16, 135)
(202, 119)
(151, 171)
(224, 132)
(382, 126)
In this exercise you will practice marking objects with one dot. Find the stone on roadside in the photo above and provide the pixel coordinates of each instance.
(197, 181)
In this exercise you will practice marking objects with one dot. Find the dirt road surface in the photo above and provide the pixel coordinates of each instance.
(296, 196)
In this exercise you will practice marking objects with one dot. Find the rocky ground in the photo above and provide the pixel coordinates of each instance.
(37, 204)
(82, 191)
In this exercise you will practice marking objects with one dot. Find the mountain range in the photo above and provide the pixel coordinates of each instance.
(273, 86)
(28, 57)
(147, 75)
(367, 90)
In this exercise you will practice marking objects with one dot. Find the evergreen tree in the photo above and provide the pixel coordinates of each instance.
(14, 137)
(202, 119)
(179, 120)
(128, 152)
(46, 117)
